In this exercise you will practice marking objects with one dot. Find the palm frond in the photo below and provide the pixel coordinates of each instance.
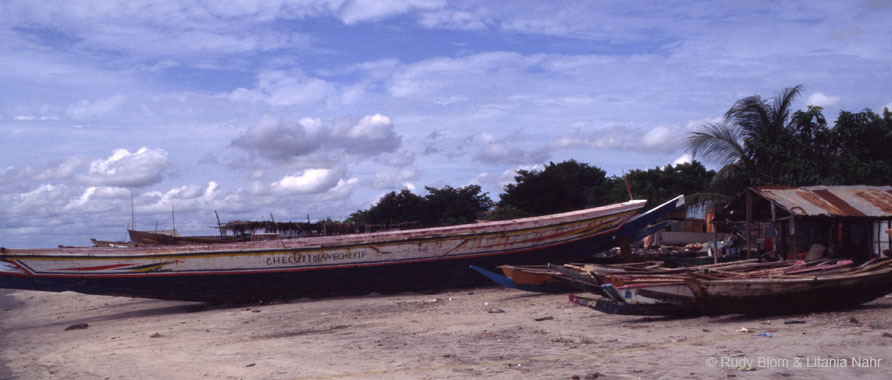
(717, 142)
(750, 115)
(782, 103)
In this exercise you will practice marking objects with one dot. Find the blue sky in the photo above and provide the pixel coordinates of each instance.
(318, 108)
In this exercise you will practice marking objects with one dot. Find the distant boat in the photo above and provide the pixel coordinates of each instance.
(173, 238)
(314, 266)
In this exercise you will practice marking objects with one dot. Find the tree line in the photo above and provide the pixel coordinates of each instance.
(759, 142)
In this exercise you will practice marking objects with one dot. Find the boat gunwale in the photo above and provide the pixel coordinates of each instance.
(807, 280)
(207, 272)
(317, 243)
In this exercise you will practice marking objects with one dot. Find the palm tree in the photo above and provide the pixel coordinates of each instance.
(745, 141)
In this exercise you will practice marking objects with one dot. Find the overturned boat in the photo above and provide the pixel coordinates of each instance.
(317, 266)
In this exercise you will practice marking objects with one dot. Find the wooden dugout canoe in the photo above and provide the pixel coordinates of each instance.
(790, 294)
(345, 264)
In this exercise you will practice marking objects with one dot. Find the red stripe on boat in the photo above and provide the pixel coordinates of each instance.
(97, 268)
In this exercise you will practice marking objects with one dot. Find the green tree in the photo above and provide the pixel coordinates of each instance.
(441, 207)
(660, 185)
(805, 147)
(746, 141)
(393, 208)
(449, 206)
(565, 186)
(862, 141)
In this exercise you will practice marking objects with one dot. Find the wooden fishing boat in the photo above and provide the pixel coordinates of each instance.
(793, 293)
(522, 284)
(172, 238)
(315, 266)
(542, 278)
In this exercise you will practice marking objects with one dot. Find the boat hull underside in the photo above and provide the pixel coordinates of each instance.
(828, 297)
(383, 278)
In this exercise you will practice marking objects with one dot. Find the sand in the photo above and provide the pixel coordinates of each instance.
(487, 332)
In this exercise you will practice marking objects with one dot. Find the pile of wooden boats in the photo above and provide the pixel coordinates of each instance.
(747, 287)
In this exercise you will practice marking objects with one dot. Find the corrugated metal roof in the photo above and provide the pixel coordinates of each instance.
(844, 201)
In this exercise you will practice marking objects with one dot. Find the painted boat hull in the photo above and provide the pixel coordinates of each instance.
(779, 296)
(347, 264)
(509, 282)
(156, 238)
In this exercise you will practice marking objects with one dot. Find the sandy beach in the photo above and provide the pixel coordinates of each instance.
(463, 333)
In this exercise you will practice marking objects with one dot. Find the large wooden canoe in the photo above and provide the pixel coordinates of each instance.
(794, 293)
(360, 263)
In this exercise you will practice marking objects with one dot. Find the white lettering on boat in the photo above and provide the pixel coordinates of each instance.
(302, 258)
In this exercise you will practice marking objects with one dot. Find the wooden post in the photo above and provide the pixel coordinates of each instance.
(774, 245)
(749, 220)
(219, 225)
(625, 248)
(793, 243)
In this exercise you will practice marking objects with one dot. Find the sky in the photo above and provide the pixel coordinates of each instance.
(316, 108)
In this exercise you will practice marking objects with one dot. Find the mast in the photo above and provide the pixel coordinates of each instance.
(132, 217)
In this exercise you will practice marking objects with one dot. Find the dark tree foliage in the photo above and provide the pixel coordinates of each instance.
(805, 146)
(660, 185)
(449, 206)
(393, 208)
(863, 143)
(505, 212)
(441, 207)
(760, 143)
(854, 152)
(565, 186)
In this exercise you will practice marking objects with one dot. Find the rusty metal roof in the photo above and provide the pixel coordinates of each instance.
(840, 201)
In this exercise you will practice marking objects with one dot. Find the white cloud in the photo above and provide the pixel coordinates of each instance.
(394, 178)
(54, 171)
(821, 100)
(683, 159)
(507, 176)
(285, 88)
(86, 108)
(452, 19)
(462, 77)
(124, 169)
(397, 159)
(60, 170)
(97, 199)
(370, 135)
(276, 139)
(33, 118)
(311, 181)
(342, 190)
(46, 199)
(507, 151)
(353, 11)
(657, 139)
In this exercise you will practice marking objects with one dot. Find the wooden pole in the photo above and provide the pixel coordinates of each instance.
(625, 248)
(132, 217)
(219, 225)
(749, 220)
(774, 246)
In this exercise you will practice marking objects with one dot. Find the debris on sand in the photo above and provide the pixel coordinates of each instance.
(77, 326)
